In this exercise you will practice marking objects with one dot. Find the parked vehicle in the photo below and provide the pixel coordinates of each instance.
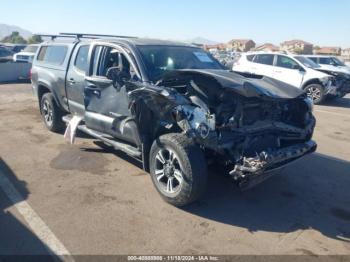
(173, 107)
(5, 55)
(331, 63)
(334, 66)
(26, 55)
(295, 70)
(15, 48)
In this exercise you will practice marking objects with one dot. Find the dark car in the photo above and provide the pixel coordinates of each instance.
(5, 55)
(15, 48)
(173, 107)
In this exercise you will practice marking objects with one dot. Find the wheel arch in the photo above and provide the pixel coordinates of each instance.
(311, 81)
(44, 88)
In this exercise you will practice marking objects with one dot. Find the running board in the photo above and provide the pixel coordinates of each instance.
(108, 140)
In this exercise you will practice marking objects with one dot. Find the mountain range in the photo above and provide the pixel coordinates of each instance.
(201, 41)
(6, 30)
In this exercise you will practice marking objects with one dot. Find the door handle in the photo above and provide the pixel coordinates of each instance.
(71, 81)
(278, 71)
(94, 90)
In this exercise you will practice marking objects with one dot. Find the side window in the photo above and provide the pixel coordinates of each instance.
(314, 59)
(81, 60)
(105, 58)
(264, 59)
(250, 57)
(52, 54)
(286, 62)
(7, 53)
(325, 61)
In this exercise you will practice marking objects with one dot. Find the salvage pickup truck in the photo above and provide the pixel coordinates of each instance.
(173, 107)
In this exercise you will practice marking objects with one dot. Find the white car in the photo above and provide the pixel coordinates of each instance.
(295, 70)
(27, 55)
(331, 63)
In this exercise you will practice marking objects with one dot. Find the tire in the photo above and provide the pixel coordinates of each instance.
(188, 159)
(51, 113)
(316, 92)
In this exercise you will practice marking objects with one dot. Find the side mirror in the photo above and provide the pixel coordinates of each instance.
(301, 69)
(116, 76)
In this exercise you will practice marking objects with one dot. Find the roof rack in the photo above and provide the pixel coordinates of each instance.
(82, 35)
(54, 36)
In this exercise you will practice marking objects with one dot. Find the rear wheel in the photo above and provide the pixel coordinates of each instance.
(178, 169)
(51, 114)
(316, 92)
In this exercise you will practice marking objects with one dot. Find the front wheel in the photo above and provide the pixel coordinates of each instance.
(178, 169)
(316, 92)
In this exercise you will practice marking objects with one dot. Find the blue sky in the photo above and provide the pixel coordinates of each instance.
(322, 22)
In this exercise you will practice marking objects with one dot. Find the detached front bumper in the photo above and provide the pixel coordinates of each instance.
(332, 90)
(339, 88)
(254, 170)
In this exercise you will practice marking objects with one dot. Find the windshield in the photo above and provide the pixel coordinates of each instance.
(31, 49)
(162, 59)
(337, 61)
(307, 62)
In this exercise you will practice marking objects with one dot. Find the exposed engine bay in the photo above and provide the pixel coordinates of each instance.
(251, 126)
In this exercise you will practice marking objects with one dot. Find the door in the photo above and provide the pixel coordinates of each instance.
(75, 80)
(106, 100)
(289, 71)
(263, 65)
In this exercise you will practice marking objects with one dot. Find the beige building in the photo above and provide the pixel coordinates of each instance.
(267, 47)
(242, 45)
(345, 54)
(217, 46)
(334, 51)
(297, 46)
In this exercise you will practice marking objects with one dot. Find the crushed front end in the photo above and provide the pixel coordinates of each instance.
(253, 127)
(251, 135)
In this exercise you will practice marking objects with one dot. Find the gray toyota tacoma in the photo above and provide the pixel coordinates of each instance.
(173, 107)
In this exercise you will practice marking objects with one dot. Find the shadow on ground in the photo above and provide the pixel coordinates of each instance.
(19, 81)
(311, 193)
(338, 102)
(17, 242)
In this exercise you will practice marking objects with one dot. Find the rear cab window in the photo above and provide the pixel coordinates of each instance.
(52, 54)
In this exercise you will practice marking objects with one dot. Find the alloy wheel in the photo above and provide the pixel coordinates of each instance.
(47, 112)
(168, 172)
(314, 93)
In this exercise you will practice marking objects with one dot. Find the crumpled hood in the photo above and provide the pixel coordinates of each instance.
(259, 86)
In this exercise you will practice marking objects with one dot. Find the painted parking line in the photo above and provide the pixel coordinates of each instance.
(37, 225)
(330, 112)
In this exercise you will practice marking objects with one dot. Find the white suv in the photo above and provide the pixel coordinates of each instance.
(331, 63)
(26, 55)
(295, 70)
